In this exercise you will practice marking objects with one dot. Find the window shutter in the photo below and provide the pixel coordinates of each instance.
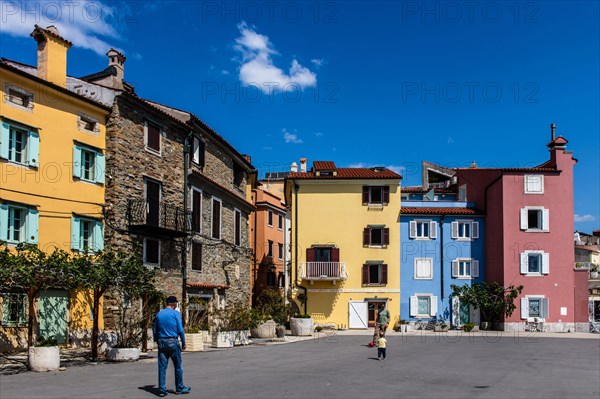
(413, 229)
(475, 230)
(365, 195)
(33, 149)
(433, 305)
(99, 236)
(335, 254)
(386, 236)
(386, 194)
(33, 219)
(414, 305)
(3, 222)
(475, 268)
(311, 254)
(4, 134)
(524, 222)
(545, 308)
(455, 268)
(432, 229)
(75, 237)
(524, 308)
(384, 273)
(546, 219)
(545, 263)
(77, 161)
(196, 210)
(454, 229)
(100, 168)
(197, 256)
(366, 236)
(524, 263)
(365, 274)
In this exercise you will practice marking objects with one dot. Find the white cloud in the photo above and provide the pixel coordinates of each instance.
(257, 67)
(394, 168)
(86, 23)
(267, 148)
(584, 218)
(450, 140)
(225, 72)
(291, 137)
(318, 134)
(318, 61)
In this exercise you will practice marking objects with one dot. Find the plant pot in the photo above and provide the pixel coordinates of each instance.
(223, 339)
(206, 337)
(265, 330)
(301, 326)
(280, 331)
(123, 354)
(485, 325)
(44, 358)
(241, 337)
(440, 329)
(194, 342)
(594, 275)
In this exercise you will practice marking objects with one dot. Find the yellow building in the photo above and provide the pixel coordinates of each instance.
(345, 240)
(52, 147)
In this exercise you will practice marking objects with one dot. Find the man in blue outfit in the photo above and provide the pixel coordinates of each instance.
(167, 329)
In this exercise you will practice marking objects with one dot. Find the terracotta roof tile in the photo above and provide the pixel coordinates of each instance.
(439, 211)
(349, 173)
(324, 165)
(207, 285)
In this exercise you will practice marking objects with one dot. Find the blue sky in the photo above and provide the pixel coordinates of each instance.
(378, 83)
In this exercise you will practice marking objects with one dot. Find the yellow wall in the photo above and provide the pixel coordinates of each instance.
(331, 212)
(51, 188)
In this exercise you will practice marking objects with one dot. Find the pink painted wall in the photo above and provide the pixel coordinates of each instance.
(581, 296)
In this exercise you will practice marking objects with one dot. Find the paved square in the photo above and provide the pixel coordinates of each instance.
(342, 366)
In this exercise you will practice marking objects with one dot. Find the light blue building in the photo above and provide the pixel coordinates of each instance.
(442, 243)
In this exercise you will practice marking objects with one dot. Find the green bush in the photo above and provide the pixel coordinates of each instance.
(42, 341)
(271, 304)
(318, 328)
(468, 327)
(302, 316)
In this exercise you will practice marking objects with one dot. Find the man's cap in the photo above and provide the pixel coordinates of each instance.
(172, 299)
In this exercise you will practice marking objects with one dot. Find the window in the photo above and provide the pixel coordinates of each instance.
(535, 219)
(465, 268)
(14, 309)
(534, 184)
(86, 234)
(423, 268)
(87, 123)
(19, 97)
(534, 306)
(238, 227)
(270, 218)
(280, 222)
(271, 279)
(19, 145)
(465, 230)
(376, 195)
(280, 251)
(422, 229)
(376, 235)
(423, 305)
(153, 137)
(238, 175)
(216, 218)
(535, 262)
(196, 210)
(270, 249)
(196, 256)
(197, 152)
(88, 164)
(151, 252)
(374, 274)
(18, 223)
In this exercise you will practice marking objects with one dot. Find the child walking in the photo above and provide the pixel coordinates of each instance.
(381, 346)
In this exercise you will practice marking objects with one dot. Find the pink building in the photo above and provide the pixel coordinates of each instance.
(529, 232)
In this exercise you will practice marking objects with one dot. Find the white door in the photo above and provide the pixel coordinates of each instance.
(358, 314)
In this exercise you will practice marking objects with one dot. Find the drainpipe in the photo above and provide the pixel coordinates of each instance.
(296, 188)
(254, 266)
(186, 152)
(442, 257)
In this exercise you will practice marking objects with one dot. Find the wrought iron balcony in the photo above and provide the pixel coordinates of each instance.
(323, 271)
(158, 218)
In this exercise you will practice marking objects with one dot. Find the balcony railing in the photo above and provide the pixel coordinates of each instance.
(158, 218)
(323, 271)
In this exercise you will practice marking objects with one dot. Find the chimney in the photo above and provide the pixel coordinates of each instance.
(294, 167)
(248, 158)
(303, 162)
(51, 55)
(473, 165)
(117, 61)
(552, 131)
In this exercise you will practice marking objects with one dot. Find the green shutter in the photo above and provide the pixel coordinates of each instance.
(3, 222)
(75, 236)
(98, 236)
(77, 161)
(32, 228)
(4, 134)
(100, 167)
(33, 149)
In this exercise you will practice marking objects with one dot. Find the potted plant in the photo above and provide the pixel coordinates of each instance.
(441, 327)
(127, 337)
(301, 324)
(231, 326)
(44, 356)
(468, 327)
(271, 303)
(264, 326)
(594, 270)
(196, 328)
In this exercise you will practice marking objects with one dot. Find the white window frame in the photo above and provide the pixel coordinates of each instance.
(23, 230)
(146, 263)
(195, 150)
(160, 135)
(30, 223)
(544, 308)
(212, 219)
(78, 164)
(544, 219)
(416, 275)
(544, 266)
(526, 188)
(473, 267)
(413, 228)
(457, 230)
(414, 305)
(23, 92)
